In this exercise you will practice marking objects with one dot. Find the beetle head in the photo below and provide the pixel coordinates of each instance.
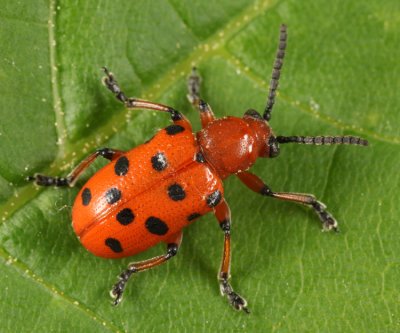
(263, 132)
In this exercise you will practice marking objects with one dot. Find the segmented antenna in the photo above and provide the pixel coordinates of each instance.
(323, 140)
(276, 72)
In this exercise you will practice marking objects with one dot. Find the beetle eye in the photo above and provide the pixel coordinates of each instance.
(253, 114)
(273, 146)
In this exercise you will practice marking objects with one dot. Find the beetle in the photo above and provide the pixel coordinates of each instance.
(147, 195)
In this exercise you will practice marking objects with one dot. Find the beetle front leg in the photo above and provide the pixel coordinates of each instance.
(223, 215)
(193, 84)
(72, 177)
(257, 185)
(134, 103)
(173, 245)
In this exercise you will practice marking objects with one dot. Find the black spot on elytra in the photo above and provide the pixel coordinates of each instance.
(159, 162)
(176, 192)
(121, 167)
(193, 216)
(214, 198)
(125, 216)
(156, 226)
(113, 195)
(114, 245)
(86, 196)
(174, 129)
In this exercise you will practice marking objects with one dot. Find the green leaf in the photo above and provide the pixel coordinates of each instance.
(340, 77)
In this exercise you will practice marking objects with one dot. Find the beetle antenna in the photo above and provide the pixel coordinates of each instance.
(276, 72)
(323, 140)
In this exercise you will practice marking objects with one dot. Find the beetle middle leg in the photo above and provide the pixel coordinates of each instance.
(193, 84)
(72, 177)
(173, 245)
(257, 185)
(223, 215)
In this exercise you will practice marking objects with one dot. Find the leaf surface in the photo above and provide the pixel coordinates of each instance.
(339, 78)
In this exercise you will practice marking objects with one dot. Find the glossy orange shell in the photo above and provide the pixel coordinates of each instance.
(144, 192)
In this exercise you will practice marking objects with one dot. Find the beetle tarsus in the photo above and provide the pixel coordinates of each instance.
(42, 180)
(112, 85)
(193, 85)
(328, 221)
(237, 301)
(116, 293)
(118, 288)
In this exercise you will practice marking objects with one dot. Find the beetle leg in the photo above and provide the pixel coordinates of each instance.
(173, 245)
(223, 215)
(73, 176)
(206, 113)
(135, 103)
(257, 185)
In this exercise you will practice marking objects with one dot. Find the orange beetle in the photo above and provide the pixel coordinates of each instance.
(150, 193)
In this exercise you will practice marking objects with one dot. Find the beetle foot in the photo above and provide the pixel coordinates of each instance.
(237, 301)
(112, 85)
(118, 288)
(42, 180)
(110, 82)
(330, 224)
(193, 85)
(328, 221)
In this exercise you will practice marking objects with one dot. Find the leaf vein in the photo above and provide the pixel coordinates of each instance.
(259, 81)
(59, 114)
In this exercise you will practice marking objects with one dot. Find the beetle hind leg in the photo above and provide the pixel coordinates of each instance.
(118, 289)
(223, 215)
